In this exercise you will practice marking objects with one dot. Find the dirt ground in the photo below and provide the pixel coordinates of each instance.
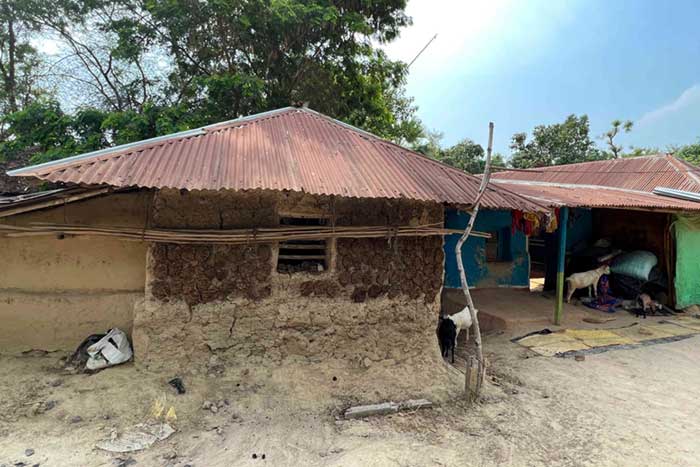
(620, 408)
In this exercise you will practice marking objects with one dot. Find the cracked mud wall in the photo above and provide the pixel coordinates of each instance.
(377, 303)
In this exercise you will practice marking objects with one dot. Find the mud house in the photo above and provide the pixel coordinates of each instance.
(283, 235)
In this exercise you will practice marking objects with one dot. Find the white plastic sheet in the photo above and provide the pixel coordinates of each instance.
(142, 436)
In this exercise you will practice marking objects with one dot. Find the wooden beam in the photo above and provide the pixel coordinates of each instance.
(302, 257)
(561, 261)
(321, 245)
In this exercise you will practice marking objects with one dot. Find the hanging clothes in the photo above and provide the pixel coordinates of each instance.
(552, 221)
(533, 219)
(516, 222)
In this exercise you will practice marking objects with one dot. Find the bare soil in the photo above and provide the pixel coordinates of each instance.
(620, 408)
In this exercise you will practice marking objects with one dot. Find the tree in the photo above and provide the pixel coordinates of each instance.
(636, 151)
(44, 130)
(497, 161)
(560, 143)
(238, 57)
(689, 153)
(430, 143)
(19, 60)
(100, 63)
(610, 135)
(134, 69)
(466, 155)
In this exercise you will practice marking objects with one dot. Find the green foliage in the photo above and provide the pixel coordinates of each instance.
(609, 136)
(48, 133)
(689, 153)
(635, 151)
(429, 144)
(239, 57)
(44, 130)
(218, 60)
(465, 155)
(560, 143)
(19, 60)
(498, 160)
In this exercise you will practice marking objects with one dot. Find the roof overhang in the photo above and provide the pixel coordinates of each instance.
(289, 149)
(595, 196)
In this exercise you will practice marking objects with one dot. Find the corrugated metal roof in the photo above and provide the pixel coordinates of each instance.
(293, 149)
(642, 173)
(618, 183)
(589, 196)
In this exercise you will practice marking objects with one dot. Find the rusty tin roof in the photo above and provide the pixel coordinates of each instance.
(295, 149)
(587, 196)
(618, 183)
(642, 173)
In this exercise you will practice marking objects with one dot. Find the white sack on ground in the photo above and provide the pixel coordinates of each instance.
(112, 349)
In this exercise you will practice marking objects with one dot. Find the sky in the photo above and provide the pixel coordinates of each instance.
(522, 63)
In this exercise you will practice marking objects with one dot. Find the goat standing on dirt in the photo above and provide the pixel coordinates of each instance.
(447, 337)
(587, 279)
(462, 320)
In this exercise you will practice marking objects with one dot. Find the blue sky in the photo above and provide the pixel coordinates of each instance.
(524, 63)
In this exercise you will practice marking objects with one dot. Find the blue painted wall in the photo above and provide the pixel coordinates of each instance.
(580, 228)
(514, 272)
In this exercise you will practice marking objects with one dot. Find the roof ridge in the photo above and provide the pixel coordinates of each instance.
(448, 168)
(573, 168)
(378, 140)
(250, 119)
(600, 161)
(674, 160)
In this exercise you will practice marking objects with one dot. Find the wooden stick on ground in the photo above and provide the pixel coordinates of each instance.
(473, 394)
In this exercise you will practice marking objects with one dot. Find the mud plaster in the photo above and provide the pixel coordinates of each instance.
(377, 303)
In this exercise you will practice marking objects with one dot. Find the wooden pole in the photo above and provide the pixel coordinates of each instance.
(474, 394)
(559, 305)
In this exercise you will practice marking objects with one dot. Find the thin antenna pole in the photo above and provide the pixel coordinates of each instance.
(422, 50)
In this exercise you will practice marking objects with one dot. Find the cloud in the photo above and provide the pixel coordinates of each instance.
(688, 98)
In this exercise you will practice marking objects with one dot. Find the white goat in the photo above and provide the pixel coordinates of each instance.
(462, 320)
(585, 279)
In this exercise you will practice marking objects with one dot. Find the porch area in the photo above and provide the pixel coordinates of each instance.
(520, 311)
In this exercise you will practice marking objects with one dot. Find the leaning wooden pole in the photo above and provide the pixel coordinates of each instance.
(473, 394)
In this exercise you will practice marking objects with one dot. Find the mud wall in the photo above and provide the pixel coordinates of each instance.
(54, 292)
(377, 302)
(60, 320)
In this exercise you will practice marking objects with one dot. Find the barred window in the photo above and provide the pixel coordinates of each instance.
(303, 255)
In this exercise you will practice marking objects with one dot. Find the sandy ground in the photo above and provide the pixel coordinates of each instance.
(620, 408)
